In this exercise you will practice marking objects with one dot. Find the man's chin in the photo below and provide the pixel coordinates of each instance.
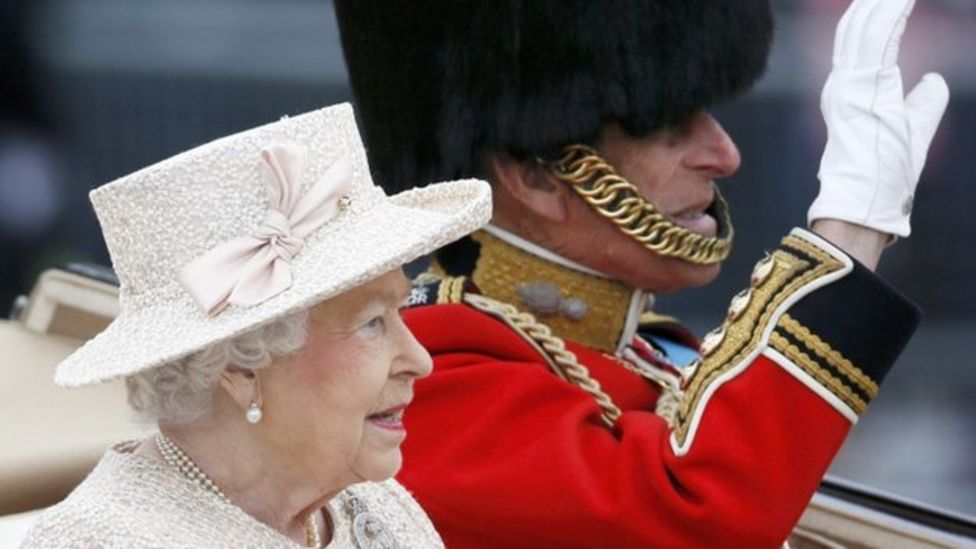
(679, 275)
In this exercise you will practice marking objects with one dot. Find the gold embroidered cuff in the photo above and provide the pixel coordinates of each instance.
(803, 264)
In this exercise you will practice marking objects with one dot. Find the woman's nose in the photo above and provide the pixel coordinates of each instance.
(712, 150)
(414, 358)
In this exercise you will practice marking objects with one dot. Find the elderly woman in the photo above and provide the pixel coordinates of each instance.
(260, 329)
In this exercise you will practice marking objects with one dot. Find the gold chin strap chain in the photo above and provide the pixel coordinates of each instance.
(617, 199)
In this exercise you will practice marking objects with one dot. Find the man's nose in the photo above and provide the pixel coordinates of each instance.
(712, 150)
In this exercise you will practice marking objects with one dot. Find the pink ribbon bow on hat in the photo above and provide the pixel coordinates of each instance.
(251, 269)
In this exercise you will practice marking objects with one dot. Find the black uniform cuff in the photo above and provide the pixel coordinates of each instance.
(863, 318)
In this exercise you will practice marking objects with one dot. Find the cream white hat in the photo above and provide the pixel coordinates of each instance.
(236, 233)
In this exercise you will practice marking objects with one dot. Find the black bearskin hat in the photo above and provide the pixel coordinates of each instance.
(437, 83)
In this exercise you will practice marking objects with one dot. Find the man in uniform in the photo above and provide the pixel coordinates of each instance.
(562, 411)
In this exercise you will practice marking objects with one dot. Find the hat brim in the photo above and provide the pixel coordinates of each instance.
(398, 230)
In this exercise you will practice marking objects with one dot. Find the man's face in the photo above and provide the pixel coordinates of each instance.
(674, 169)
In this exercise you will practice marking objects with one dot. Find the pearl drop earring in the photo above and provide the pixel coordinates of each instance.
(253, 413)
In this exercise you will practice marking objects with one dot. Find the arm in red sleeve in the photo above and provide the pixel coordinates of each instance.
(502, 453)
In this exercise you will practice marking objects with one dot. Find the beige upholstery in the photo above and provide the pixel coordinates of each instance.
(69, 304)
(51, 437)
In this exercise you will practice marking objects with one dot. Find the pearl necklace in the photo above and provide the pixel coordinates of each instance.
(178, 459)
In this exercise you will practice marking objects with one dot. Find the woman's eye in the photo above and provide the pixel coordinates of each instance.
(375, 323)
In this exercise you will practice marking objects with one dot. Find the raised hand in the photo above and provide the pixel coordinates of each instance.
(877, 138)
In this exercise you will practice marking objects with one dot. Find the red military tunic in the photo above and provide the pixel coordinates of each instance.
(503, 452)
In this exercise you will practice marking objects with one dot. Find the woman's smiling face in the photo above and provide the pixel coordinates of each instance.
(335, 408)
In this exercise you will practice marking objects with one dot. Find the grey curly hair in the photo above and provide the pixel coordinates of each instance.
(181, 392)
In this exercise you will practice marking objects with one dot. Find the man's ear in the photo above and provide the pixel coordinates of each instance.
(241, 385)
(530, 184)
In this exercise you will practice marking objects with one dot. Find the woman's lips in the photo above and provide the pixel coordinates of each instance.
(391, 419)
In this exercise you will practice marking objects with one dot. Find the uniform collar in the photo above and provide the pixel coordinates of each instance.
(579, 304)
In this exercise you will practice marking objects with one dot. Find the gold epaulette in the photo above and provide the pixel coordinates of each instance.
(451, 289)
(431, 289)
(560, 360)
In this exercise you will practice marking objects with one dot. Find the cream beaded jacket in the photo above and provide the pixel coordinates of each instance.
(130, 500)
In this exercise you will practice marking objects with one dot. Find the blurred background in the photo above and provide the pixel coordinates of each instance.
(92, 90)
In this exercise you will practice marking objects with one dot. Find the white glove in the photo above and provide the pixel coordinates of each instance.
(877, 138)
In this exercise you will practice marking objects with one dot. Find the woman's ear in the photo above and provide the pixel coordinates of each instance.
(530, 184)
(241, 385)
